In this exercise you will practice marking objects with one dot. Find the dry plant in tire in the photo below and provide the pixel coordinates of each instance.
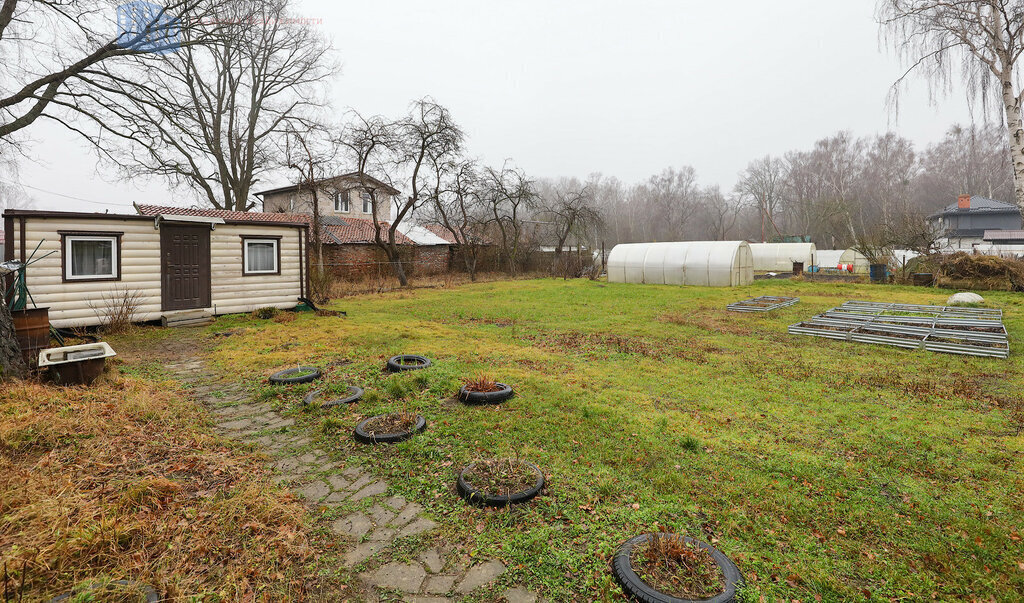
(675, 567)
(502, 477)
(396, 422)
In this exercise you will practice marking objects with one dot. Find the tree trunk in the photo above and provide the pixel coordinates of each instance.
(1013, 123)
(396, 264)
(12, 363)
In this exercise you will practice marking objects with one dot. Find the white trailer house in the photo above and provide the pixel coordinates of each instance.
(701, 263)
(172, 264)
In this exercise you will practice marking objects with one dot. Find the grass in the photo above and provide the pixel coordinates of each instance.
(827, 470)
(126, 481)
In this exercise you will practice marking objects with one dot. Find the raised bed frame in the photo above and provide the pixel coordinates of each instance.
(946, 329)
(757, 304)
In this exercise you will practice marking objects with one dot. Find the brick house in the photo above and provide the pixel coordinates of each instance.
(343, 196)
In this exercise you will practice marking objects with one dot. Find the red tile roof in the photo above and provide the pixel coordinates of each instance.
(335, 230)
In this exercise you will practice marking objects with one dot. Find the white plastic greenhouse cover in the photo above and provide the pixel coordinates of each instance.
(780, 257)
(859, 261)
(700, 263)
(828, 258)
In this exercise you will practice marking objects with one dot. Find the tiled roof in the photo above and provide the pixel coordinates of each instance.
(979, 204)
(334, 230)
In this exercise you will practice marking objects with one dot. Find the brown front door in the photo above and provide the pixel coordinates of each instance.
(185, 267)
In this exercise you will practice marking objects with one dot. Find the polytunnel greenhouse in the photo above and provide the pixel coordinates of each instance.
(700, 263)
(780, 257)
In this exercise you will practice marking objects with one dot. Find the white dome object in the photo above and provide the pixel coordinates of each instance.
(964, 297)
(701, 263)
(780, 257)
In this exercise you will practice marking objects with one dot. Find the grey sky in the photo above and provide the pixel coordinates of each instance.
(573, 87)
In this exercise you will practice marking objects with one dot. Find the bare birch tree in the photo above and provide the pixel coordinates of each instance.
(510, 197)
(978, 40)
(762, 185)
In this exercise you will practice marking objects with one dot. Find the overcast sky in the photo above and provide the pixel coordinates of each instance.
(572, 87)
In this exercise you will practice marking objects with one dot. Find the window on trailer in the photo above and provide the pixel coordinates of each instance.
(91, 257)
(261, 256)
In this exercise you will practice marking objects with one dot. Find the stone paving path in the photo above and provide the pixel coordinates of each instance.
(435, 575)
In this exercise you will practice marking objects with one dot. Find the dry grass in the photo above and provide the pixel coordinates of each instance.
(385, 281)
(392, 423)
(122, 481)
(500, 477)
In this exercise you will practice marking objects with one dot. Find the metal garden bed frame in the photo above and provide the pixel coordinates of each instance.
(754, 304)
(947, 329)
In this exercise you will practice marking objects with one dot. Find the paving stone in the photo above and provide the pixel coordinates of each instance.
(362, 552)
(370, 490)
(335, 497)
(380, 515)
(438, 585)
(290, 463)
(382, 534)
(355, 525)
(338, 482)
(408, 514)
(406, 577)
(418, 527)
(422, 599)
(352, 473)
(431, 559)
(235, 425)
(278, 424)
(520, 595)
(314, 490)
(396, 502)
(479, 575)
(358, 484)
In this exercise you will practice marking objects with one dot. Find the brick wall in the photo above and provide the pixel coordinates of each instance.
(357, 261)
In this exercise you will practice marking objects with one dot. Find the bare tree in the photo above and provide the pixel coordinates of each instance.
(968, 160)
(510, 197)
(718, 213)
(456, 206)
(984, 38)
(428, 136)
(208, 116)
(568, 206)
(312, 155)
(762, 185)
(47, 47)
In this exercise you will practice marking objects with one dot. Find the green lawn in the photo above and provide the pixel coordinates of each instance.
(825, 469)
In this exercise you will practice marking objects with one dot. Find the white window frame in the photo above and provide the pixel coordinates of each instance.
(69, 262)
(367, 202)
(245, 255)
(343, 196)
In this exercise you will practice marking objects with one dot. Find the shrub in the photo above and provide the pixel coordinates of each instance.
(265, 313)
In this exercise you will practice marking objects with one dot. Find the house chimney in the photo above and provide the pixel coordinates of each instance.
(963, 202)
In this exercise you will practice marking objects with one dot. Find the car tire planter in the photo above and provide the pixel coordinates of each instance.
(301, 374)
(638, 590)
(397, 364)
(472, 397)
(145, 590)
(355, 393)
(365, 437)
(483, 499)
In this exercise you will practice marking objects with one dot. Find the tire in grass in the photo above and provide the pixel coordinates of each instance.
(485, 499)
(471, 397)
(146, 591)
(638, 590)
(364, 437)
(396, 364)
(301, 374)
(355, 393)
